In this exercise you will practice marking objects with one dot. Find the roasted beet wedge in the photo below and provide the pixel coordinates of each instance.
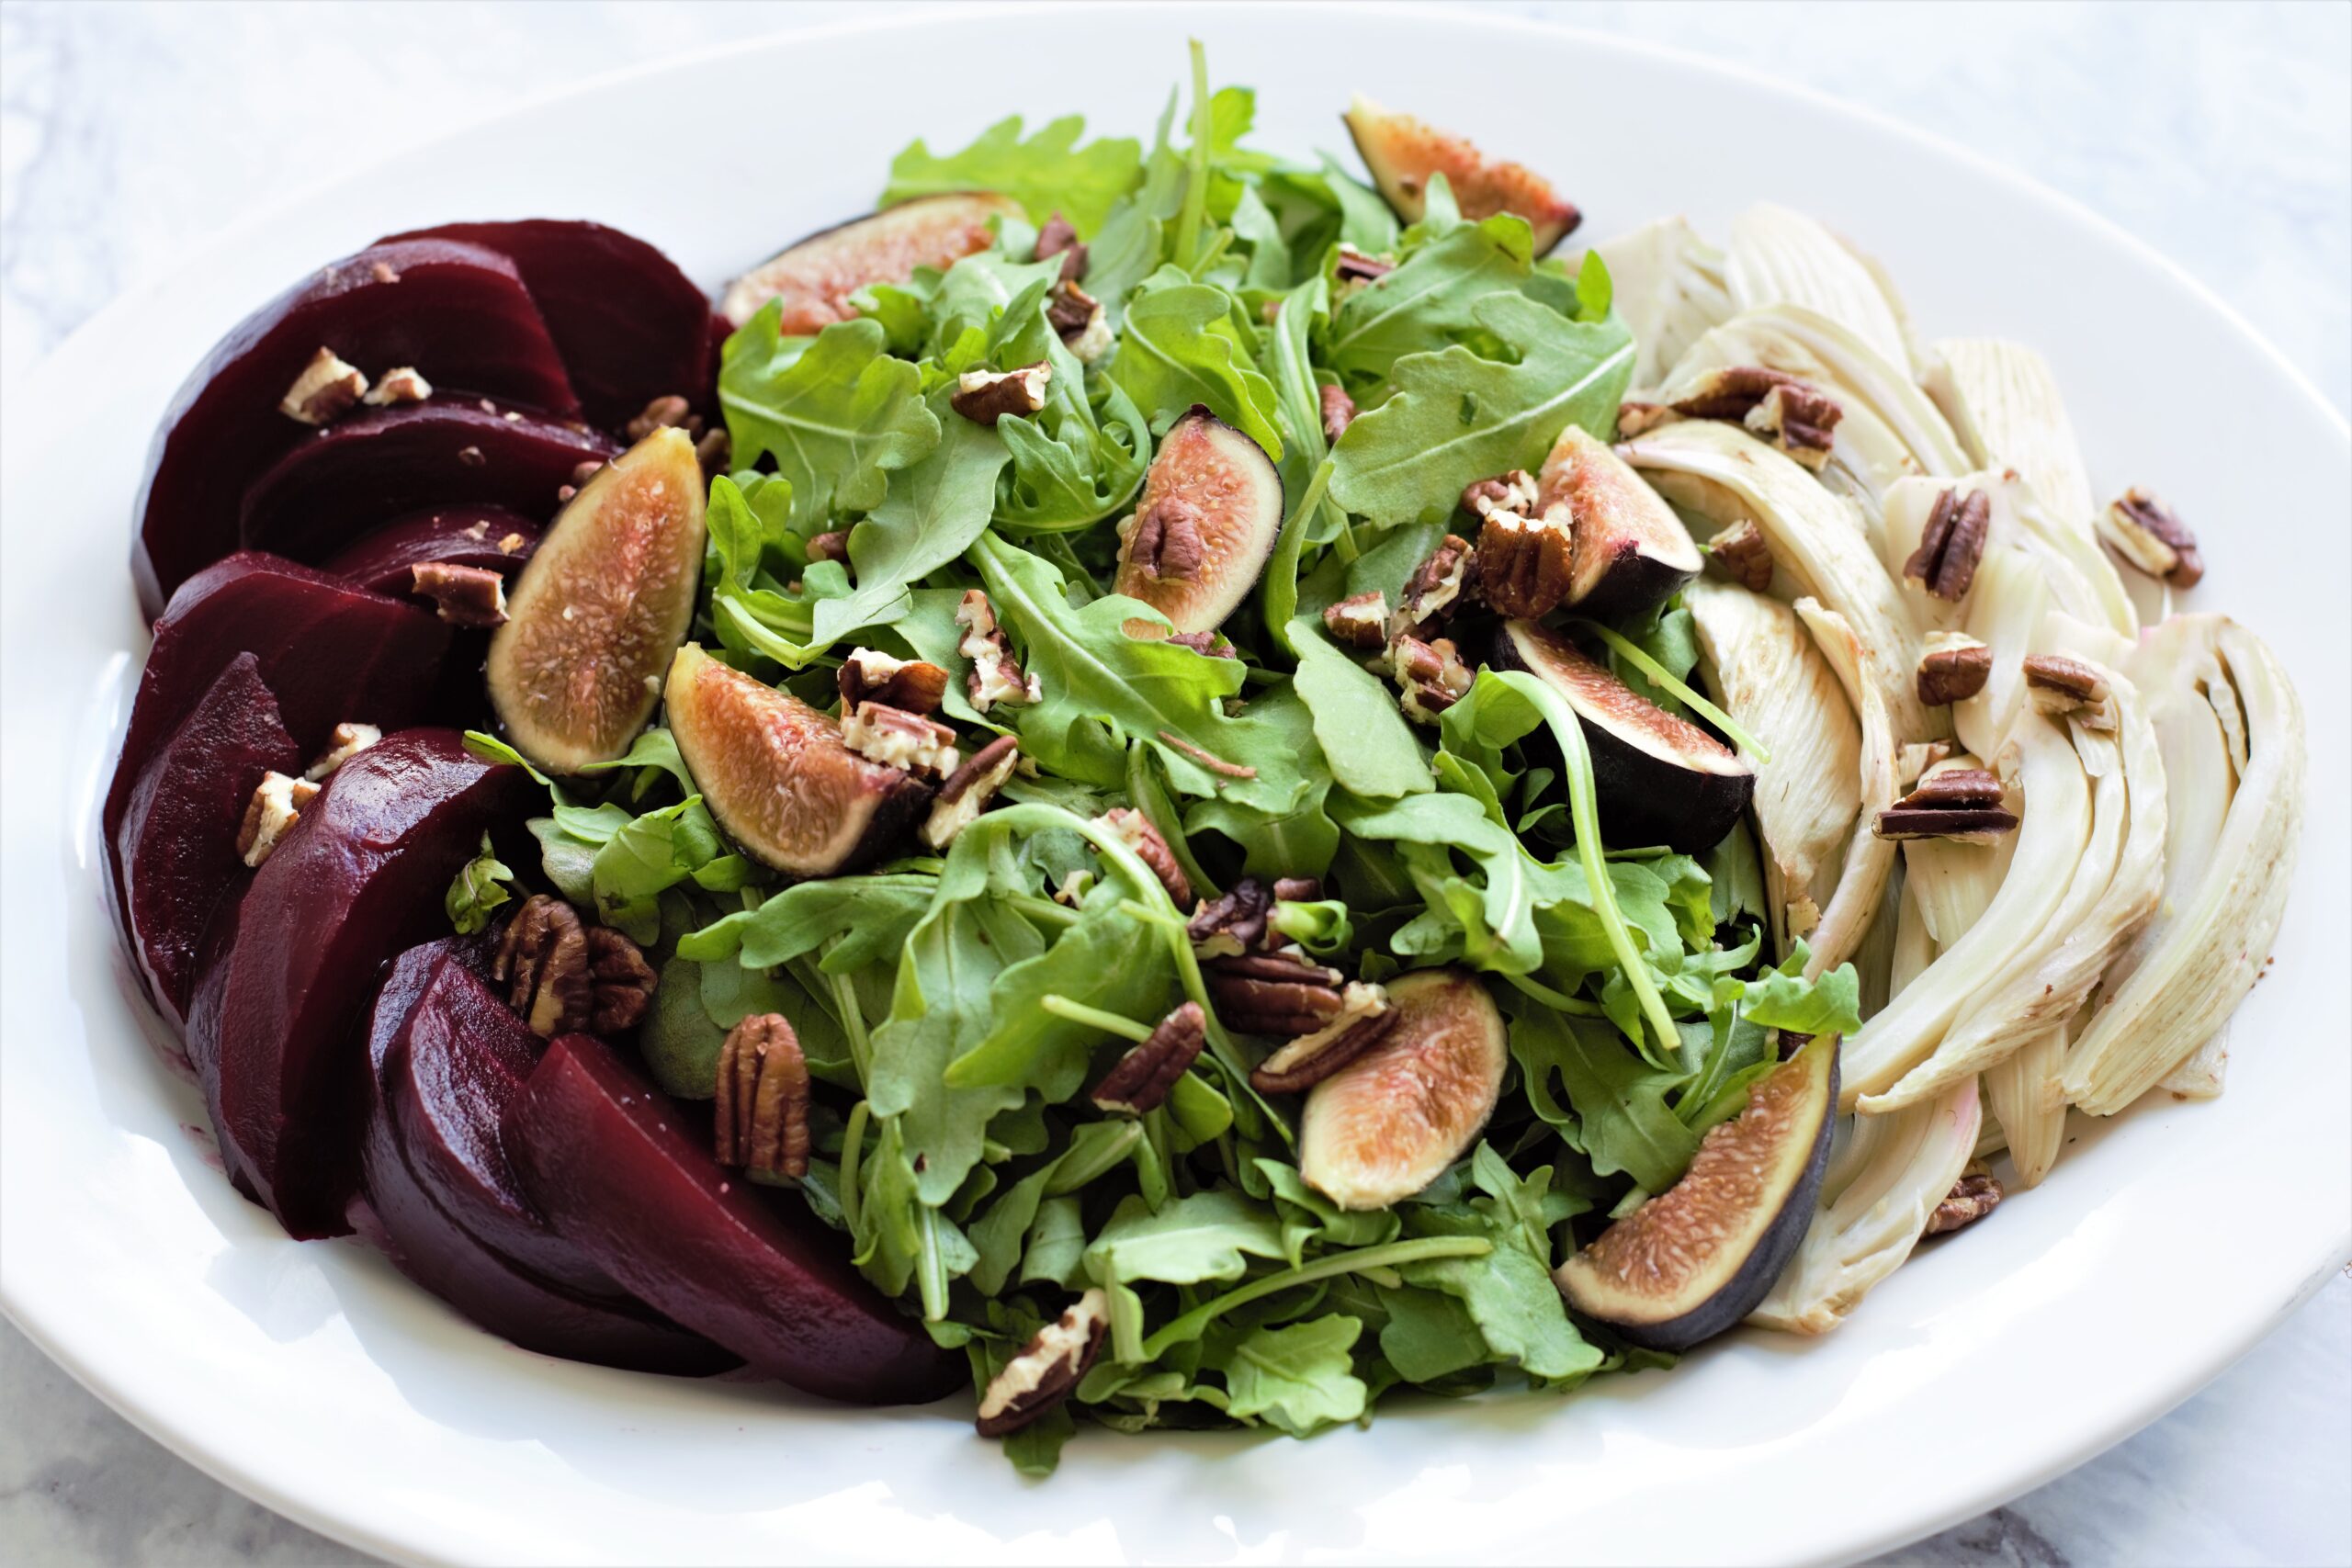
(630, 325)
(177, 845)
(491, 537)
(460, 314)
(358, 474)
(288, 967)
(607, 1159)
(1660, 779)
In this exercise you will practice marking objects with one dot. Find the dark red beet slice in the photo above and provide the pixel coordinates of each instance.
(631, 326)
(349, 479)
(458, 313)
(608, 1159)
(178, 844)
(461, 535)
(273, 1026)
(327, 651)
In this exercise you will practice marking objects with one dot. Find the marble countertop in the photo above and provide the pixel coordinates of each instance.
(2220, 133)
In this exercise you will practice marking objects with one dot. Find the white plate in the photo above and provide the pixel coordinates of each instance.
(316, 1379)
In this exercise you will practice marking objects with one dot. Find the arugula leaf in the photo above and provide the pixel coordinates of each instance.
(1049, 172)
(1299, 1378)
(1428, 302)
(1178, 346)
(1207, 1235)
(1784, 999)
(1371, 748)
(1621, 1118)
(868, 917)
(479, 888)
(836, 415)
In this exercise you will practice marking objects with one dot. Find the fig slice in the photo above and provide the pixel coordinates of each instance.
(815, 277)
(1631, 552)
(607, 1156)
(1660, 779)
(1204, 524)
(1388, 1123)
(490, 537)
(1696, 1258)
(1403, 153)
(576, 668)
(777, 776)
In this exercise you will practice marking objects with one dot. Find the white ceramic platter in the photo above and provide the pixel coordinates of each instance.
(316, 1379)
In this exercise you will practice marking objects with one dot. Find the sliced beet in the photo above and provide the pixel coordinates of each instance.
(1204, 524)
(344, 482)
(1660, 779)
(1631, 553)
(609, 1160)
(815, 277)
(274, 1028)
(178, 844)
(458, 313)
(630, 325)
(460, 535)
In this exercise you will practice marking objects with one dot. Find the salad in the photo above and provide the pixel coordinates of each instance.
(1179, 786)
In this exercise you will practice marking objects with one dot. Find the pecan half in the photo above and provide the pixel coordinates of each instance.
(667, 412)
(897, 738)
(1339, 411)
(1953, 667)
(1356, 266)
(1430, 676)
(713, 450)
(761, 1112)
(543, 958)
(620, 982)
(1358, 621)
(1951, 544)
(1797, 419)
(1141, 1080)
(324, 391)
(2151, 535)
(833, 545)
(1731, 393)
(277, 800)
(1044, 1371)
(969, 789)
(2060, 686)
(1058, 238)
(1164, 540)
(1972, 1198)
(1514, 491)
(1436, 588)
(1523, 564)
(461, 595)
(1364, 1019)
(986, 396)
(1951, 802)
(1234, 922)
(995, 676)
(1134, 830)
(867, 675)
(1282, 995)
(1742, 554)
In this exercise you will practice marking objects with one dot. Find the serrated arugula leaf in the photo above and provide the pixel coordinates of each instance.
(1783, 998)
(867, 916)
(836, 415)
(479, 888)
(1048, 172)
(1428, 302)
(1616, 1111)
(1299, 1379)
(1180, 346)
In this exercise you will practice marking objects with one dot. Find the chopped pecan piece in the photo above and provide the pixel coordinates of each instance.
(1524, 563)
(276, 801)
(1134, 830)
(1339, 411)
(461, 595)
(897, 738)
(543, 958)
(1514, 491)
(1354, 266)
(1953, 667)
(1141, 1079)
(1045, 1369)
(1742, 554)
(667, 412)
(996, 675)
(324, 391)
(1918, 756)
(969, 789)
(712, 451)
(1951, 544)
(1730, 393)
(1639, 419)
(1164, 540)
(1079, 320)
(2151, 535)
(399, 385)
(2059, 686)
(1430, 676)
(345, 741)
(620, 982)
(910, 684)
(1436, 589)
(986, 396)
(1364, 1019)
(1950, 803)
(833, 545)
(1058, 238)
(760, 1112)
(1798, 420)
(1297, 889)
(1281, 994)
(1208, 645)
(1972, 1197)
(1234, 922)
(1358, 621)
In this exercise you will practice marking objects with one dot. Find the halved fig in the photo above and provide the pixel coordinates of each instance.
(593, 621)
(608, 1158)
(1660, 779)
(458, 313)
(288, 967)
(177, 847)
(1630, 552)
(815, 277)
(1204, 526)
(490, 537)
(345, 482)
(1696, 1258)
(776, 774)
(631, 327)
(1403, 153)
(1389, 1122)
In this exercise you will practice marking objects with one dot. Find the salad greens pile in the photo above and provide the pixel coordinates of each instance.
(956, 1008)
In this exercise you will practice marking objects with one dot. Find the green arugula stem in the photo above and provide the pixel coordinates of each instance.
(1095, 1018)
(1633, 655)
(1558, 1001)
(930, 1270)
(1196, 183)
(861, 1052)
(1061, 916)
(1220, 241)
(1072, 1173)
(853, 1148)
(1420, 1249)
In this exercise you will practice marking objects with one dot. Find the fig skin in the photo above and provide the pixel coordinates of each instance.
(458, 313)
(594, 619)
(178, 844)
(1233, 494)
(1695, 1259)
(630, 326)
(289, 966)
(777, 777)
(608, 1158)
(814, 278)
(346, 481)
(1631, 553)
(462, 534)
(1389, 1122)
(1402, 153)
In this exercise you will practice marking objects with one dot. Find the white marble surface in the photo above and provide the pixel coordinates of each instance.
(2220, 133)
